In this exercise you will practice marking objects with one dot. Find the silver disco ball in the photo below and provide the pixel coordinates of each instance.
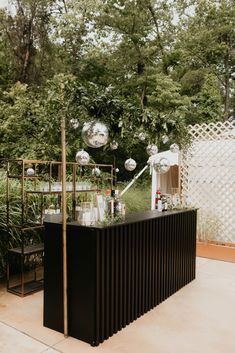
(141, 136)
(174, 148)
(152, 149)
(165, 139)
(130, 164)
(74, 123)
(96, 171)
(82, 157)
(113, 145)
(95, 134)
(30, 172)
(162, 165)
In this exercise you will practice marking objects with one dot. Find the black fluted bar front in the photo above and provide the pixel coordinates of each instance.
(116, 273)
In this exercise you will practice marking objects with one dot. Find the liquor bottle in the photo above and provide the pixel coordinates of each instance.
(107, 199)
(164, 203)
(116, 203)
(159, 205)
(57, 208)
(110, 203)
(158, 198)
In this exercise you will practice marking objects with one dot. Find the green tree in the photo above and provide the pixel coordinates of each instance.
(18, 126)
(140, 34)
(73, 32)
(30, 123)
(207, 105)
(206, 41)
(26, 36)
(168, 110)
(209, 100)
(127, 63)
(6, 72)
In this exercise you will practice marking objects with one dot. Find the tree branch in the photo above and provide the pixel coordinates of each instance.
(152, 12)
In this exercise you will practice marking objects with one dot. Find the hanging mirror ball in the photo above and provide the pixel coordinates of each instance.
(117, 170)
(74, 123)
(95, 134)
(113, 145)
(130, 164)
(30, 172)
(174, 148)
(162, 165)
(165, 139)
(82, 157)
(156, 165)
(141, 136)
(151, 150)
(96, 171)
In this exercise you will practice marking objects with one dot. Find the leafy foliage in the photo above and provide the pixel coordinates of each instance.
(128, 63)
(137, 65)
(209, 101)
(18, 129)
(10, 237)
(207, 42)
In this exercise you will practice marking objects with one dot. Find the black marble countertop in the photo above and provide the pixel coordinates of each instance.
(128, 219)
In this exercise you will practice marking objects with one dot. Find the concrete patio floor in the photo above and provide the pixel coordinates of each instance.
(200, 318)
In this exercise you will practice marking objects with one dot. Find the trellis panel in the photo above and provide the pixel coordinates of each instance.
(208, 179)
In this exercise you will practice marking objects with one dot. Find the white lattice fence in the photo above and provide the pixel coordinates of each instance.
(208, 179)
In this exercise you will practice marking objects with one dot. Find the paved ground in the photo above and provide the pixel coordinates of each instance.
(200, 318)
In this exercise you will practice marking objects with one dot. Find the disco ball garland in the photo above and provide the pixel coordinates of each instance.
(152, 149)
(82, 157)
(130, 164)
(113, 145)
(96, 171)
(74, 123)
(174, 148)
(30, 172)
(165, 139)
(95, 134)
(162, 165)
(142, 136)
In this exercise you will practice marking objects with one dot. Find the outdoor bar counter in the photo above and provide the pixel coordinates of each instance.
(118, 272)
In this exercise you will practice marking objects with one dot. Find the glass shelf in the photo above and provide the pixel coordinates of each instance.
(59, 191)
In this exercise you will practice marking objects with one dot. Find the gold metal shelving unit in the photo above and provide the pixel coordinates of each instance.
(43, 184)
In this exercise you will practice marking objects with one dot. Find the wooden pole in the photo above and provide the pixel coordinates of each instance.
(64, 224)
